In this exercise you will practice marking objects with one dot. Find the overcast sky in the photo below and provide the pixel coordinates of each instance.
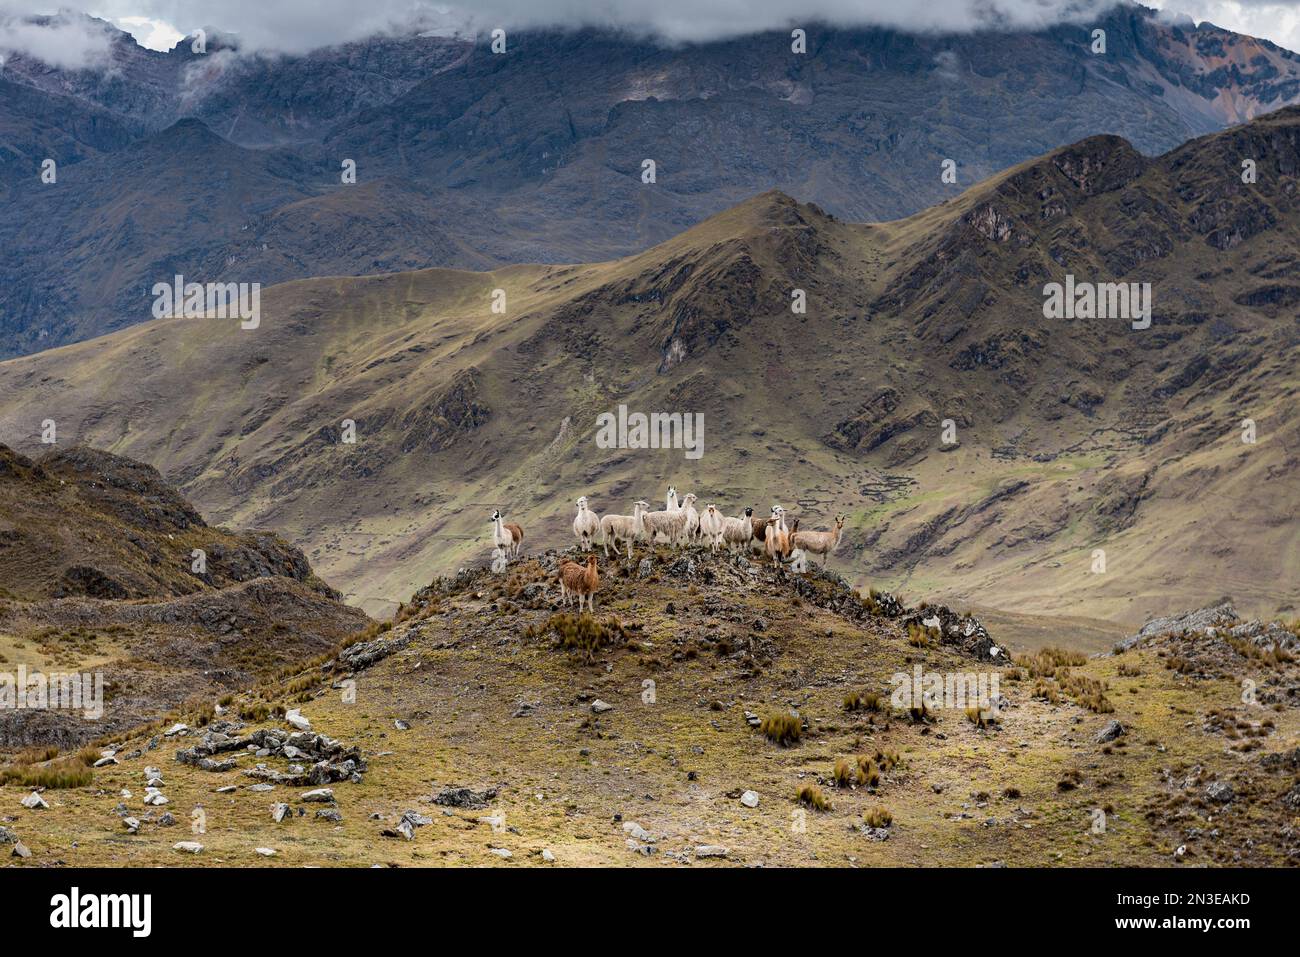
(300, 25)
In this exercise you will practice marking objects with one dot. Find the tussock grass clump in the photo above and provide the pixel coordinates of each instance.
(887, 760)
(810, 795)
(581, 634)
(70, 771)
(868, 774)
(878, 817)
(1127, 670)
(980, 717)
(918, 636)
(1045, 662)
(844, 775)
(784, 729)
(1069, 781)
(867, 701)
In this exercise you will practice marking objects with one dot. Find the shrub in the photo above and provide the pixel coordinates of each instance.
(867, 701)
(810, 795)
(868, 775)
(581, 634)
(878, 817)
(784, 729)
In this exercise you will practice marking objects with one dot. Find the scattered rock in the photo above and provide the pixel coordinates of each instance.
(1110, 732)
(465, 798)
(600, 707)
(188, 847)
(279, 812)
(295, 717)
(501, 852)
(1220, 792)
(265, 851)
(34, 802)
(20, 850)
(637, 832)
(711, 850)
(131, 824)
(749, 799)
(320, 796)
(547, 856)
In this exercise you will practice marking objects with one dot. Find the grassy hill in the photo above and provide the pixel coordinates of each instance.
(1072, 435)
(711, 713)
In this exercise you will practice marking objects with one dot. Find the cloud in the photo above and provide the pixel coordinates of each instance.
(1270, 19)
(66, 42)
(298, 26)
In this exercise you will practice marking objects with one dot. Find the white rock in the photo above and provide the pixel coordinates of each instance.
(635, 830)
(547, 856)
(131, 824)
(320, 795)
(189, 847)
(501, 852)
(34, 802)
(265, 851)
(295, 718)
(749, 799)
(175, 729)
(710, 850)
(600, 707)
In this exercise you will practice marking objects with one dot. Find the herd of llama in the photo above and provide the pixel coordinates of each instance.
(680, 524)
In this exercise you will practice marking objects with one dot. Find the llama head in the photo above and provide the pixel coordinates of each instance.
(710, 508)
(641, 505)
(749, 511)
(591, 561)
(672, 490)
(839, 522)
(582, 502)
(689, 499)
(496, 514)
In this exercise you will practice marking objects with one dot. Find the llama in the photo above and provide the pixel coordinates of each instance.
(711, 526)
(820, 543)
(671, 524)
(756, 542)
(580, 580)
(507, 535)
(777, 540)
(738, 531)
(585, 524)
(692, 518)
(623, 528)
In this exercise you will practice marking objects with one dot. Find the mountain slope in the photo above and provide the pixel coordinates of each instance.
(105, 568)
(1071, 435)
(467, 159)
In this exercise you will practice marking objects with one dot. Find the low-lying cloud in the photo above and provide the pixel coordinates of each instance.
(298, 26)
(68, 43)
